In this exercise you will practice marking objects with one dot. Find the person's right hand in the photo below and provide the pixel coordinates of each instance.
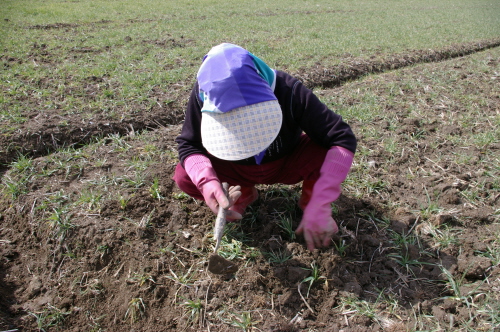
(214, 197)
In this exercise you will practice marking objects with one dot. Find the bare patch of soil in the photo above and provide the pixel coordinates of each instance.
(136, 259)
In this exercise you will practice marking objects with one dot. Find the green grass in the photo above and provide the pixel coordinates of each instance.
(119, 58)
(278, 256)
(136, 310)
(193, 309)
(50, 317)
(314, 277)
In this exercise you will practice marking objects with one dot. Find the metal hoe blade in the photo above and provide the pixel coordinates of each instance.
(217, 264)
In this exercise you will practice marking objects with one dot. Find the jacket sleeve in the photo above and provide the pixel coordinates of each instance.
(321, 124)
(189, 140)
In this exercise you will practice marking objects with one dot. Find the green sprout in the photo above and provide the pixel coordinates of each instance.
(286, 224)
(50, 317)
(341, 247)
(314, 277)
(154, 190)
(193, 308)
(136, 310)
(243, 321)
(60, 220)
(278, 257)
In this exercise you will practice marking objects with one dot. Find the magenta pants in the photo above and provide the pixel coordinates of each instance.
(303, 163)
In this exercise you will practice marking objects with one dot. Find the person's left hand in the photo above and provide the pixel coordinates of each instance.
(317, 226)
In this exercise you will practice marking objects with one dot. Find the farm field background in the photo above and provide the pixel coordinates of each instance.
(95, 236)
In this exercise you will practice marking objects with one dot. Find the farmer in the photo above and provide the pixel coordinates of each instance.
(248, 124)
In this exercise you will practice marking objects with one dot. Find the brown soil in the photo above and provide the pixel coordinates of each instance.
(111, 270)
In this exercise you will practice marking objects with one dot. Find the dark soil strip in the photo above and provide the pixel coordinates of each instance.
(41, 140)
(352, 69)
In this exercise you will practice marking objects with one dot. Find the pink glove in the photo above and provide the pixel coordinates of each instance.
(317, 223)
(200, 171)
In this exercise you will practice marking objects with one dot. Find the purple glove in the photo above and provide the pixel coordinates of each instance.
(317, 223)
(200, 171)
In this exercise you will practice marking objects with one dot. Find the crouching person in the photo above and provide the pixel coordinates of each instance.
(247, 124)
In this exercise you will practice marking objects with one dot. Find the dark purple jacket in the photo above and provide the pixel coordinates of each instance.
(302, 112)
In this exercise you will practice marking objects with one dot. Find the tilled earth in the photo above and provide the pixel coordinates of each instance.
(101, 239)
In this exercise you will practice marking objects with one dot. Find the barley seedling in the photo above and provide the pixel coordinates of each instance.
(444, 238)
(146, 220)
(73, 171)
(154, 190)
(335, 209)
(278, 191)
(374, 186)
(93, 286)
(14, 187)
(360, 185)
(290, 206)
(341, 247)
(167, 249)
(314, 277)
(186, 279)
(432, 208)
(391, 145)
(22, 164)
(123, 202)
(389, 300)
(70, 255)
(50, 317)
(95, 324)
(454, 285)
(135, 310)
(492, 252)
(142, 279)
(251, 254)
(102, 249)
(100, 162)
(193, 308)
(59, 197)
(491, 310)
(370, 215)
(405, 261)
(234, 231)
(415, 136)
(138, 164)
(105, 181)
(119, 143)
(485, 138)
(151, 150)
(180, 196)
(60, 220)
(90, 199)
(136, 181)
(15, 184)
(278, 257)
(252, 215)
(231, 250)
(243, 321)
(286, 224)
(353, 306)
(402, 240)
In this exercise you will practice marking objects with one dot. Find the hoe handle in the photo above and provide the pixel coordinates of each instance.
(220, 222)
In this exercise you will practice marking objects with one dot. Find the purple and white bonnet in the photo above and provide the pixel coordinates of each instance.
(241, 116)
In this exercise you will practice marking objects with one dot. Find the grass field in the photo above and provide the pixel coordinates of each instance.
(95, 236)
(139, 46)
